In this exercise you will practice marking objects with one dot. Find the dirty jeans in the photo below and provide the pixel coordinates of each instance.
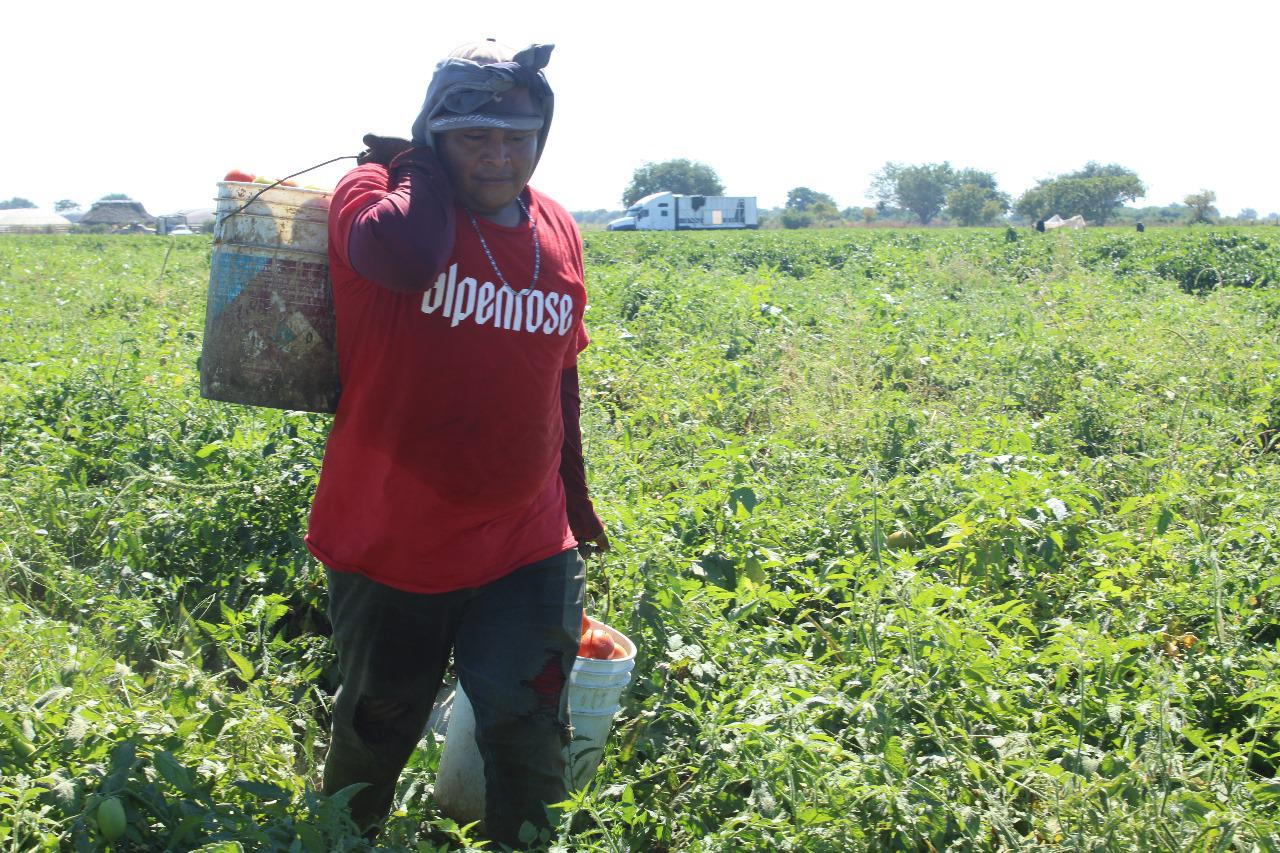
(513, 640)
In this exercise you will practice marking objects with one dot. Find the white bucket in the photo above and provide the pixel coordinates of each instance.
(270, 334)
(595, 686)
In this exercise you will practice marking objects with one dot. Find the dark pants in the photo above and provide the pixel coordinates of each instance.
(513, 641)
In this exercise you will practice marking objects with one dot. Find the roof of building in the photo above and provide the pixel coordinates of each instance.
(116, 213)
(32, 216)
(199, 215)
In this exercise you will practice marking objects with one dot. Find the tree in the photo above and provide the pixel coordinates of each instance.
(65, 205)
(15, 203)
(970, 204)
(975, 198)
(803, 198)
(805, 207)
(1094, 192)
(1248, 214)
(919, 189)
(1201, 204)
(115, 197)
(678, 176)
(792, 218)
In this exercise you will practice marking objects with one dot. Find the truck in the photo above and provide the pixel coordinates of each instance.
(668, 211)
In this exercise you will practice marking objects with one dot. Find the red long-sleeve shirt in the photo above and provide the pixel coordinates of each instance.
(455, 455)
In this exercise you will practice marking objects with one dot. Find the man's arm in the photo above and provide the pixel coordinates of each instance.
(399, 222)
(583, 521)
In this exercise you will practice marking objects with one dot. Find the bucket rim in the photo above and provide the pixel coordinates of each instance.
(273, 188)
(230, 204)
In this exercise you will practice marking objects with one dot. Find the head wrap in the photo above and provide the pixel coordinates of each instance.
(462, 93)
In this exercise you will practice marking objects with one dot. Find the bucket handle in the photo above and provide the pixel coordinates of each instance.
(285, 178)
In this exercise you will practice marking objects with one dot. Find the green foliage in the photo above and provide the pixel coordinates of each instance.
(793, 219)
(1094, 192)
(1203, 211)
(63, 205)
(806, 207)
(115, 197)
(1170, 214)
(678, 176)
(16, 203)
(970, 196)
(805, 199)
(599, 217)
(973, 204)
(975, 199)
(928, 540)
(919, 189)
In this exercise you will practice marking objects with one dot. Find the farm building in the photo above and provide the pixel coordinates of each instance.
(32, 220)
(194, 218)
(198, 217)
(123, 215)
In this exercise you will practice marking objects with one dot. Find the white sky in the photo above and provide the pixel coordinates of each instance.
(159, 99)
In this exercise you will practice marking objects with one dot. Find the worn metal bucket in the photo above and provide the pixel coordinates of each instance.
(270, 336)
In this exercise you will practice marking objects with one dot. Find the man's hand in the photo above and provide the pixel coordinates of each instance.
(594, 546)
(382, 149)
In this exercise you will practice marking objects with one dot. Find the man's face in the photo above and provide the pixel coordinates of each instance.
(488, 167)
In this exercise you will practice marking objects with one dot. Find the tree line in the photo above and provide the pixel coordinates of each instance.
(60, 206)
(927, 191)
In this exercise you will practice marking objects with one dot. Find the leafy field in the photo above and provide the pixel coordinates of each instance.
(928, 539)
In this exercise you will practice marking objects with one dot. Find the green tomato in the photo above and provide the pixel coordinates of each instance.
(22, 747)
(901, 539)
(111, 820)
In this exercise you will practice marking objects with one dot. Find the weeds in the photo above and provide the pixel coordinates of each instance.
(927, 540)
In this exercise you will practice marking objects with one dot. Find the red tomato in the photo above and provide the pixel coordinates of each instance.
(586, 623)
(597, 644)
(288, 183)
(238, 175)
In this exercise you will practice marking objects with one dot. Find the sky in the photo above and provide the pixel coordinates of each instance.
(159, 100)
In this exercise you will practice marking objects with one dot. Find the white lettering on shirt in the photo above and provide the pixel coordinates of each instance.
(433, 296)
(486, 304)
(448, 293)
(566, 313)
(533, 305)
(464, 300)
(549, 326)
(508, 305)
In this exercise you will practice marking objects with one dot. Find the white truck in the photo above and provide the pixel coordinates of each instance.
(673, 212)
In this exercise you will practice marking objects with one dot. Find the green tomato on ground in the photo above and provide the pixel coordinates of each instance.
(111, 822)
(900, 540)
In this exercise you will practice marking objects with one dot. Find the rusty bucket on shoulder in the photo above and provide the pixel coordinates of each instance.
(270, 335)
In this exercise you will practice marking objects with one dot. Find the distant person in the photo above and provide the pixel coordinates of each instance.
(1040, 225)
(1141, 228)
(453, 497)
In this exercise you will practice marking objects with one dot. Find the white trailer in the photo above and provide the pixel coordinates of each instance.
(673, 212)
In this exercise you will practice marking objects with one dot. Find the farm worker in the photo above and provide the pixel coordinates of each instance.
(452, 497)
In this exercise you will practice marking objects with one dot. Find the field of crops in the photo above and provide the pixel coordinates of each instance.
(948, 539)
